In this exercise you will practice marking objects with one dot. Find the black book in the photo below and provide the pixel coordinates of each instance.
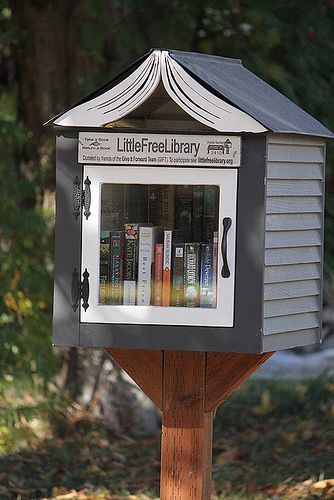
(177, 290)
(210, 212)
(183, 212)
(104, 284)
(192, 274)
(116, 266)
(197, 217)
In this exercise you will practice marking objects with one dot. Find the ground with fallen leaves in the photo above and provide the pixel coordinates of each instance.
(273, 440)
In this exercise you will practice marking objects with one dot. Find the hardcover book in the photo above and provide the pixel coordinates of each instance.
(191, 274)
(104, 287)
(147, 238)
(183, 212)
(206, 288)
(210, 212)
(130, 263)
(177, 289)
(157, 275)
(197, 216)
(116, 266)
(167, 264)
(161, 205)
(214, 268)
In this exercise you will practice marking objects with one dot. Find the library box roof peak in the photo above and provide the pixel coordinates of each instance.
(216, 91)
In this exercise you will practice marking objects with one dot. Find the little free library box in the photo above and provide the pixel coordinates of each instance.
(189, 212)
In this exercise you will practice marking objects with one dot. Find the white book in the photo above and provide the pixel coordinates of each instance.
(148, 236)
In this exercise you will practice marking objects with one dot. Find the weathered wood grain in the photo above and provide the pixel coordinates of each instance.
(225, 372)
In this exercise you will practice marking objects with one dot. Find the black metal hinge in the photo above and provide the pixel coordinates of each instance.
(81, 198)
(80, 289)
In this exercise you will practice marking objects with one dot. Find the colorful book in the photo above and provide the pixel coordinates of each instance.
(177, 289)
(130, 263)
(191, 274)
(116, 266)
(147, 238)
(206, 277)
(167, 265)
(157, 275)
(214, 268)
(104, 288)
(197, 215)
(210, 212)
(183, 212)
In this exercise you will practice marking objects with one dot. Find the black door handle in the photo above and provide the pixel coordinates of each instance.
(227, 223)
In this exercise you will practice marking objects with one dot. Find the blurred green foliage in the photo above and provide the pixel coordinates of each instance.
(288, 43)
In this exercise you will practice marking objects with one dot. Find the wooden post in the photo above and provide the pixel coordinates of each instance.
(186, 429)
(188, 387)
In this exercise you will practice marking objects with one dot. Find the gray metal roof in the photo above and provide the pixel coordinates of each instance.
(231, 81)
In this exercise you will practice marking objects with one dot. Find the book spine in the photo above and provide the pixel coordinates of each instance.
(130, 263)
(191, 274)
(144, 266)
(206, 275)
(210, 210)
(104, 286)
(167, 263)
(158, 263)
(197, 224)
(116, 266)
(177, 290)
(214, 268)
(183, 212)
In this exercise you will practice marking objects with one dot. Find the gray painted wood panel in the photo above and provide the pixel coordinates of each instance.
(293, 241)
(291, 323)
(295, 171)
(291, 289)
(294, 188)
(291, 339)
(295, 272)
(283, 239)
(297, 205)
(281, 256)
(273, 308)
(296, 153)
(291, 222)
(295, 140)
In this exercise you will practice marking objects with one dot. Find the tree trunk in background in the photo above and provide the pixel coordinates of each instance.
(52, 63)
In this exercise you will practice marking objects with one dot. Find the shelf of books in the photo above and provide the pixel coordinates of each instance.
(158, 245)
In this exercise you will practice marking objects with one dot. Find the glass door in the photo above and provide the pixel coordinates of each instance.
(159, 245)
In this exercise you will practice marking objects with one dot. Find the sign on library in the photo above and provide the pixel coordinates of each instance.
(161, 149)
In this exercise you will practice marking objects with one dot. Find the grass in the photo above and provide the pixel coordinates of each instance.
(272, 440)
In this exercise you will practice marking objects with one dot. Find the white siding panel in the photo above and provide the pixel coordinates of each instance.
(291, 323)
(284, 239)
(291, 289)
(294, 188)
(290, 205)
(295, 140)
(281, 256)
(273, 308)
(296, 272)
(291, 222)
(296, 153)
(295, 171)
(293, 241)
(291, 339)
